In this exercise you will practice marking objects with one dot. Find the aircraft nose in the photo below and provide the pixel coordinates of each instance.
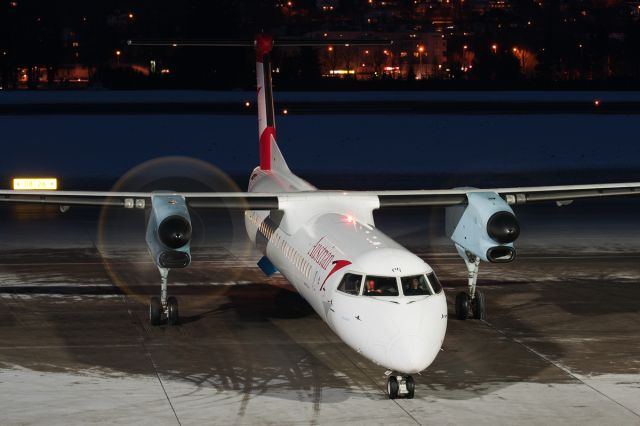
(415, 348)
(410, 353)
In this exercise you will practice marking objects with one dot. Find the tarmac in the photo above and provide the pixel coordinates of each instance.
(560, 344)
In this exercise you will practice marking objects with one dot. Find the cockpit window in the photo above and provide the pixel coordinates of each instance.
(380, 286)
(416, 285)
(350, 284)
(435, 283)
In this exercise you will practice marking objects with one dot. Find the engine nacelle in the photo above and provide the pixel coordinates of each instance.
(169, 231)
(486, 227)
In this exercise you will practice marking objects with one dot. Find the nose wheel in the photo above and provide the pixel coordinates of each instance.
(400, 386)
(163, 307)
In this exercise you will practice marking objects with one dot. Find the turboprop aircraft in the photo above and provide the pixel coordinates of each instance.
(382, 300)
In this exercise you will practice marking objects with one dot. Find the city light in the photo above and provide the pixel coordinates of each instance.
(494, 47)
(247, 104)
(130, 15)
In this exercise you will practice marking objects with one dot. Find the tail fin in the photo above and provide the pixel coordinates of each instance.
(270, 156)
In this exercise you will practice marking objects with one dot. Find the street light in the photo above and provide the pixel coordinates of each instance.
(420, 51)
(494, 47)
(118, 53)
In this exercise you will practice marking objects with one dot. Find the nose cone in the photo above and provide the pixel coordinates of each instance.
(419, 341)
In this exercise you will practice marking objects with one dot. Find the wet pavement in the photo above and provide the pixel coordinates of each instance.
(561, 342)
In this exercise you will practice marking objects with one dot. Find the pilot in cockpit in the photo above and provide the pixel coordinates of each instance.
(371, 287)
(412, 288)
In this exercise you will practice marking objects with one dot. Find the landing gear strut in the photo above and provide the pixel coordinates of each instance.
(471, 303)
(163, 308)
(400, 386)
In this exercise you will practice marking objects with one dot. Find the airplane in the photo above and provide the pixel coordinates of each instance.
(383, 301)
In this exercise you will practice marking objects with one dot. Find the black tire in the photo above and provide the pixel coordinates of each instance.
(478, 305)
(392, 387)
(462, 306)
(155, 311)
(411, 387)
(172, 311)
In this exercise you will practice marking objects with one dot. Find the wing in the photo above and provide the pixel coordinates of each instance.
(515, 195)
(269, 201)
(140, 200)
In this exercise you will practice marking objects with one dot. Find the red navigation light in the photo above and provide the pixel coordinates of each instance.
(264, 44)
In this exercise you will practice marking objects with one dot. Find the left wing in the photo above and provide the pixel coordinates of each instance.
(140, 200)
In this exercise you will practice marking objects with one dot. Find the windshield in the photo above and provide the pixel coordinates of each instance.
(350, 284)
(415, 285)
(435, 284)
(380, 286)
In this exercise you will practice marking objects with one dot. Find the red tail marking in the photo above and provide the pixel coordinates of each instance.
(337, 265)
(264, 44)
(265, 147)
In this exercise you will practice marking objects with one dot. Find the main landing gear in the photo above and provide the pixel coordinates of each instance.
(470, 304)
(400, 386)
(163, 307)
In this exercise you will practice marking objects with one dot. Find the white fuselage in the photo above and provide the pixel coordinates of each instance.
(315, 243)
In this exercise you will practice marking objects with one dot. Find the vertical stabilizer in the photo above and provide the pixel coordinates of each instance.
(270, 155)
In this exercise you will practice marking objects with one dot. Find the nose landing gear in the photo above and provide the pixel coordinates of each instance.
(471, 303)
(163, 307)
(400, 386)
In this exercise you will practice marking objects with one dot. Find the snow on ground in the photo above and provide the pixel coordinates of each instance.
(93, 146)
(103, 397)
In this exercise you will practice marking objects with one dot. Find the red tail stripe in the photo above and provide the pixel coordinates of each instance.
(265, 147)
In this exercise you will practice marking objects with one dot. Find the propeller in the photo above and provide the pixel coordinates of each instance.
(217, 237)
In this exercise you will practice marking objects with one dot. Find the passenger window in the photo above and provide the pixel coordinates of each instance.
(350, 284)
(435, 283)
(380, 286)
(416, 285)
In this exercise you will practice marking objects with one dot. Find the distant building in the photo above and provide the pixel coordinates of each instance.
(484, 6)
(416, 55)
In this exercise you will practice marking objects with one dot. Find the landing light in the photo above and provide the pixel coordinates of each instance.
(35, 184)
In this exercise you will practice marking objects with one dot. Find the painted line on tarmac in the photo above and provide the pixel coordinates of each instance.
(559, 366)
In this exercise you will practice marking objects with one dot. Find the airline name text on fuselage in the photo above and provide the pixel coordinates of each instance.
(321, 254)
